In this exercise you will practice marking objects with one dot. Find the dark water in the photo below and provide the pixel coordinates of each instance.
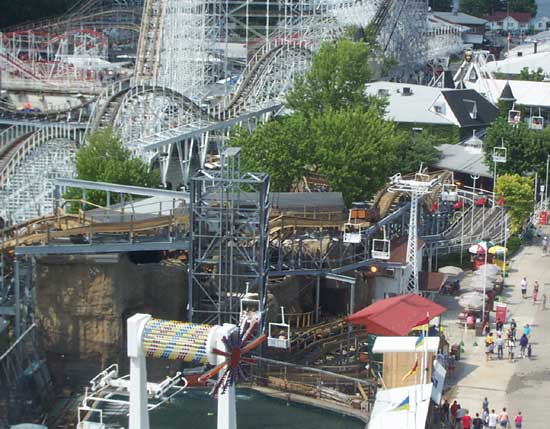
(197, 410)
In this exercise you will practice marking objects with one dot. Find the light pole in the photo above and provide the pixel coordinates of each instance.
(474, 178)
(546, 184)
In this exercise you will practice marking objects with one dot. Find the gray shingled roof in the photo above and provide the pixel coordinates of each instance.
(460, 18)
(455, 158)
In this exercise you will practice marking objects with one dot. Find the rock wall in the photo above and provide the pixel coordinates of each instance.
(83, 303)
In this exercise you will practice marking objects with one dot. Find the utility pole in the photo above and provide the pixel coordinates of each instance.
(546, 184)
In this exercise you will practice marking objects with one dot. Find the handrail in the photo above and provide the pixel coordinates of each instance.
(21, 337)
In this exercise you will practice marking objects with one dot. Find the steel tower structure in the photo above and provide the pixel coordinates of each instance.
(422, 184)
(229, 217)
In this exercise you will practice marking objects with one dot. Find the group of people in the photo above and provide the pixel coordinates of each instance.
(454, 416)
(507, 339)
(523, 286)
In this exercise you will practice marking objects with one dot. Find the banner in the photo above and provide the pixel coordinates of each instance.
(438, 381)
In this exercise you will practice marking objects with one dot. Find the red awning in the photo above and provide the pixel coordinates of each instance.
(395, 316)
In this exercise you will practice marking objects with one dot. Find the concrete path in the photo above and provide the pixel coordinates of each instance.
(522, 385)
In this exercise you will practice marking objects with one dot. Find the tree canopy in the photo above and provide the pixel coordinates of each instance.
(474, 7)
(529, 6)
(518, 198)
(105, 159)
(336, 79)
(527, 149)
(335, 130)
(537, 76)
(441, 5)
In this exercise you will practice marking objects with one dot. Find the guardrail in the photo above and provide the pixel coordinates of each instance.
(10, 134)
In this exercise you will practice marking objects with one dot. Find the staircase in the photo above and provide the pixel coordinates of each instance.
(148, 54)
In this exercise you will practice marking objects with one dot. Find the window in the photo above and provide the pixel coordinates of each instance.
(438, 108)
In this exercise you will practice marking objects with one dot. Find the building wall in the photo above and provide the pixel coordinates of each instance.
(83, 304)
(396, 365)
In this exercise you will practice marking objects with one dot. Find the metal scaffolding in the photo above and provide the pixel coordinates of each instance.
(229, 213)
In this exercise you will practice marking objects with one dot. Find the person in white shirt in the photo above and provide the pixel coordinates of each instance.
(523, 285)
(493, 419)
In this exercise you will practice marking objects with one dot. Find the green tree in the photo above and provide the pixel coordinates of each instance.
(279, 147)
(537, 76)
(529, 6)
(354, 149)
(518, 198)
(105, 159)
(475, 7)
(417, 149)
(441, 5)
(527, 149)
(336, 79)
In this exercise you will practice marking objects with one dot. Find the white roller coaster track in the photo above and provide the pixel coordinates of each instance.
(26, 177)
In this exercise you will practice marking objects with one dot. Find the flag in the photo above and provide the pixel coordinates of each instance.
(422, 323)
(411, 371)
(420, 340)
(403, 406)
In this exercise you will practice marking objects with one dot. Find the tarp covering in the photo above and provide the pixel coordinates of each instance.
(402, 407)
(396, 316)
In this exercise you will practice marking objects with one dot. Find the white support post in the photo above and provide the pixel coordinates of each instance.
(139, 415)
(227, 408)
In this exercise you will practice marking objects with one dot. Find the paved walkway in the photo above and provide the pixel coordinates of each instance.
(525, 384)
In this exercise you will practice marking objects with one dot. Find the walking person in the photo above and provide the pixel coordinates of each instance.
(543, 303)
(527, 330)
(493, 420)
(523, 286)
(503, 419)
(477, 423)
(535, 292)
(460, 413)
(454, 408)
(513, 327)
(485, 404)
(511, 348)
(518, 420)
(544, 245)
(489, 346)
(486, 418)
(523, 341)
(466, 420)
(500, 346)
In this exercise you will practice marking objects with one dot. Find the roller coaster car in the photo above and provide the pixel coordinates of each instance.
(449, 193)
(537, 122)
(514, 117)
(363, 212)
(481, 201)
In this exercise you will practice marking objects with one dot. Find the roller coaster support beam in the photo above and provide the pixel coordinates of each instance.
(139, 415)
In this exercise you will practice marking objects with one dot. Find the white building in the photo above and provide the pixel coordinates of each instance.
(514, 21)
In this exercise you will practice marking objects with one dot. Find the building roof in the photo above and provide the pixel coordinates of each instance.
(464, 102)
(460, 18)
(527, 93)
(298, 200)
(396, 316)
(418, 106)
(515, 64)
(454, 157)
(523, 17)
(507, 94)
(398, 250)
(413, 108)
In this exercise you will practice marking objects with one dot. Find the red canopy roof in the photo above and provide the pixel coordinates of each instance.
(396, 316)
